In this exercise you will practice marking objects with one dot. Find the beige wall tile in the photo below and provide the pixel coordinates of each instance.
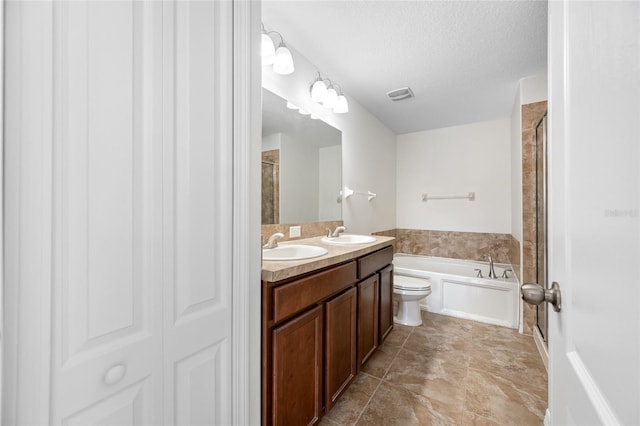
(308, 230)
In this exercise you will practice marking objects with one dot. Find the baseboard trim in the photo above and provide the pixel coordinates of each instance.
(542, 347)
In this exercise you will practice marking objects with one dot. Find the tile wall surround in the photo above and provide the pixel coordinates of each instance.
(307, 230)
(514, 257)
(271, 179)
(531, 115)
(451, 244)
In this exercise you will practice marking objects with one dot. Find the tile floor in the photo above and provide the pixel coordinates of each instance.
(448, 371)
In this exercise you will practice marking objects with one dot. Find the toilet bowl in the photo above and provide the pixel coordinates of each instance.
(408, 291)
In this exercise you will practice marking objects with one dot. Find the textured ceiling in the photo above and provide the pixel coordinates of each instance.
(462, 59)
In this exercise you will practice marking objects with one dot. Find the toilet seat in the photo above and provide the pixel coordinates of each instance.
(403, 282)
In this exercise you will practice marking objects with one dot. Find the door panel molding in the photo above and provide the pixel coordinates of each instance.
(247, 253)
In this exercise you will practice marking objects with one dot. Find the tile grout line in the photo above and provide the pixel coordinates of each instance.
(466, 378)
(382, 379)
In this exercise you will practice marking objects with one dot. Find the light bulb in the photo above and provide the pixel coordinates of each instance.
(331, 98)
(318, 91)
(284, 61)
(341, 105)
(268, 51)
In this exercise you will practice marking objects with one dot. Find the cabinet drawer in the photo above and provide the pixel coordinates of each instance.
(297, 295)
(375, 261)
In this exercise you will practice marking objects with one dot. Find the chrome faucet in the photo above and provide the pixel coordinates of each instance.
(492, 273)
(272, 242)
(336, 232)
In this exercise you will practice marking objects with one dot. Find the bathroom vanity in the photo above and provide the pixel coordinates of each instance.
(322, 319)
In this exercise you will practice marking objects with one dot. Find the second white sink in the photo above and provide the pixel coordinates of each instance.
(293, 252)
(349, 239)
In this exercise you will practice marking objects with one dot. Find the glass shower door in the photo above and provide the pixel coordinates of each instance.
(541, 221)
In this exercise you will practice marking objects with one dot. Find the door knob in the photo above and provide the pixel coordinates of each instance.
(534, 294)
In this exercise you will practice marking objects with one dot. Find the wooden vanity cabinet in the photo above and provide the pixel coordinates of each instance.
(375, 308)
(297, 370)
(308, 344)
(368, 301)
(385, 277)
(340, 348)
(317, 330)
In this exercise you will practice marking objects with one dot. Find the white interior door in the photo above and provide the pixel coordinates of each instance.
(594, 216)
(198, 205)
(120, 195)
(107, 226)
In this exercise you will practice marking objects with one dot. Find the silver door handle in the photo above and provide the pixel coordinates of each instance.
(534, 294)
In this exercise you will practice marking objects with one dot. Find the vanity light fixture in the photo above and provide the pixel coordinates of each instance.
(280, 58)
(318, 90)
(341, 106)
(328, 95)
(268, 50)
(284, 61)
(332, 97)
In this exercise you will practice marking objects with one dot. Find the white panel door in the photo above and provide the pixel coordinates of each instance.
(107, 219)
(198, 203)
(594, 219)
(119, 213)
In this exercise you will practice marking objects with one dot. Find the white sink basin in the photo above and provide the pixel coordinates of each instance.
(292, 252)
(349, 239)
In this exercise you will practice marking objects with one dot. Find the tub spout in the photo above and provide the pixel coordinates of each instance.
(492, 272)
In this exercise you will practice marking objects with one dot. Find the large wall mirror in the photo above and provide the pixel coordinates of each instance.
(301, 166)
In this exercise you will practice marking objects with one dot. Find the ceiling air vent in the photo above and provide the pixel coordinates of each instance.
(400, 94)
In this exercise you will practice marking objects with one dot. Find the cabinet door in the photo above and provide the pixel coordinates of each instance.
(297, 370)
(340, 345)
(367, 318)
(386, 301)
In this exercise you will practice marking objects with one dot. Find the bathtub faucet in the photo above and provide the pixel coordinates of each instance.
(492, 273)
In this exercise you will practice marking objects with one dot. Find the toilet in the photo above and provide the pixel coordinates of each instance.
(408, 291)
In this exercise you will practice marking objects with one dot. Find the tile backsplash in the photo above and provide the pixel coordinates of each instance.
(451, 244)
(307, 230)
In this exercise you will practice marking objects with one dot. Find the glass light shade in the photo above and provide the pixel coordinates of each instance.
(268, 51)
(318, 91)
(332, 97)
(284, 61)
(303, 111)
(341, 105)
(291, 106)
(314, 117)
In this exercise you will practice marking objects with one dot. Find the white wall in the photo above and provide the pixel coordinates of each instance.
(330, 183)
(298, 181)
(453, 160)
(271, 142)
(533, 89)
(368, 148)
